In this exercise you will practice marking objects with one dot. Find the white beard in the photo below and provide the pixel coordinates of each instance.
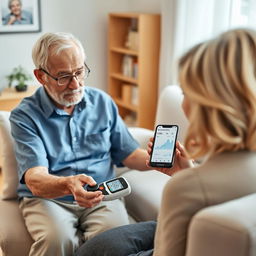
(60, 98)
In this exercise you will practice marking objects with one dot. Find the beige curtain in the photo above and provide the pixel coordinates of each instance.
(185, 23)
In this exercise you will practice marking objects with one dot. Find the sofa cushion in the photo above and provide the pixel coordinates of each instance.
(144, 201)
(9, 164)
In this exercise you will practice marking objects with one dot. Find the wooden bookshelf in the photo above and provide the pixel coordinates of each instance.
(146, 58)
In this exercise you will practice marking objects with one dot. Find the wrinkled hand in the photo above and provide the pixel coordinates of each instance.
(180, 160)
(84, 198)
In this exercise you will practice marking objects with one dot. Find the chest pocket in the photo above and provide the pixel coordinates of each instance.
(98, 142)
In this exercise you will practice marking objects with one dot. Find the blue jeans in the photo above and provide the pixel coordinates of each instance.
(134, 239)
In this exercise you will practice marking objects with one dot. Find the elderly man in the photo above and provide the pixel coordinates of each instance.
(17, 16)
(66, 136)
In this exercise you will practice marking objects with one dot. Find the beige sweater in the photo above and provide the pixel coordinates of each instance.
(222, 178)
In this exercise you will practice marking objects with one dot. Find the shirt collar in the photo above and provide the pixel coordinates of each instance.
(48, 106)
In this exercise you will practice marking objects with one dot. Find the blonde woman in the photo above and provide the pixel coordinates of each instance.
(218, 78)
(219, 84)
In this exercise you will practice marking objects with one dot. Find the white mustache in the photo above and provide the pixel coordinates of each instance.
(73, 91)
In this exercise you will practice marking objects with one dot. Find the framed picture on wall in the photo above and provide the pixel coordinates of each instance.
(20, 16)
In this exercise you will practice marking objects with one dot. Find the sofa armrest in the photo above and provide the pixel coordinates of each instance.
(14, 237)
(142, 136)
(144, 201)
(225, 229)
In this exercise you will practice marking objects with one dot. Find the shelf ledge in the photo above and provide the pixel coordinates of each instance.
(124, 78)
(124, 51)
(123, 104)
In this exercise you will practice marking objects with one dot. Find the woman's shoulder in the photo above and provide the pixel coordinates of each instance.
(210, 178)
(183, 180)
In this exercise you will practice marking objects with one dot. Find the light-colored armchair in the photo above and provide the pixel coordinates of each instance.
(223, 230)
(144, 201)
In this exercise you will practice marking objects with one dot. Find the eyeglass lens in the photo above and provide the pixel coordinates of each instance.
(79, 75)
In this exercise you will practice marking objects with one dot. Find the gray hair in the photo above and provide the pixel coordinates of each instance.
(10, 3)
(53, 43)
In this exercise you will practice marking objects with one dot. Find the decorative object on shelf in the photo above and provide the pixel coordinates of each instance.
(132, 41)
(19, 17)
(19, 76)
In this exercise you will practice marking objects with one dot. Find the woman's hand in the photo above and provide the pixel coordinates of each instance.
(180, 160)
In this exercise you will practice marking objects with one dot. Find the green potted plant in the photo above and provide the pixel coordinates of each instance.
(19, 76)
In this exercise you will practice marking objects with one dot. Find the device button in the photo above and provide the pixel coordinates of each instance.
(92, 188)
(101, 188)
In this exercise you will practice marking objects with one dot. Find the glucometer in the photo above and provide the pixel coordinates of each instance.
(112, 189)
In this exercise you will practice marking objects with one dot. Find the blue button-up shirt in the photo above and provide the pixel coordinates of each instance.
(26, 18)
(89, 141)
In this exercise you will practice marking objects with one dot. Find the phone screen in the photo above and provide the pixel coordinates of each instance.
(164, 146)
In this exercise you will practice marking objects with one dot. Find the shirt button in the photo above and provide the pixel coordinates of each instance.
(74, 139)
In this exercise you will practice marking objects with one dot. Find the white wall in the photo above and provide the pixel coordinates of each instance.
(86, 19)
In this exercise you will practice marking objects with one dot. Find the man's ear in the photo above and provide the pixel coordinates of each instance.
(39, 76)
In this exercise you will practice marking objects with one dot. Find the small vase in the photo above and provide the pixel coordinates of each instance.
(21, 88)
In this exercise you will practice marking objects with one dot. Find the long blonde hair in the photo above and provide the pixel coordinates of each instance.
(219, 79)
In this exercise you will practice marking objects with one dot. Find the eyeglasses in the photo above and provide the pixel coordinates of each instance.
(66, 79)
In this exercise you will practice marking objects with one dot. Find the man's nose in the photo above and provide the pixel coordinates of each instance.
(74, 83)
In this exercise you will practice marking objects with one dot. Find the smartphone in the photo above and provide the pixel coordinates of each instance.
(164, 144)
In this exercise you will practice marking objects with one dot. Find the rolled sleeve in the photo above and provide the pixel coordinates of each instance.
(123, 144)
(29, 149)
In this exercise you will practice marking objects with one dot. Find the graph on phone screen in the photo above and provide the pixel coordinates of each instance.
(164, 144)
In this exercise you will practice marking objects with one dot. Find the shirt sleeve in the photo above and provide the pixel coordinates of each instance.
(122, 142)
(6, 19)
(29, 148)
(182, 198)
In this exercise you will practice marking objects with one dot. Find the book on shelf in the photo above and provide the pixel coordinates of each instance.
(130, 66)
(134, 96)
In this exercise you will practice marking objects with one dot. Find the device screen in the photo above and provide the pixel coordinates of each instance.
(115, 185)
(164, 145)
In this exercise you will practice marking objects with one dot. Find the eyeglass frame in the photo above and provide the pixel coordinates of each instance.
(71, 76)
